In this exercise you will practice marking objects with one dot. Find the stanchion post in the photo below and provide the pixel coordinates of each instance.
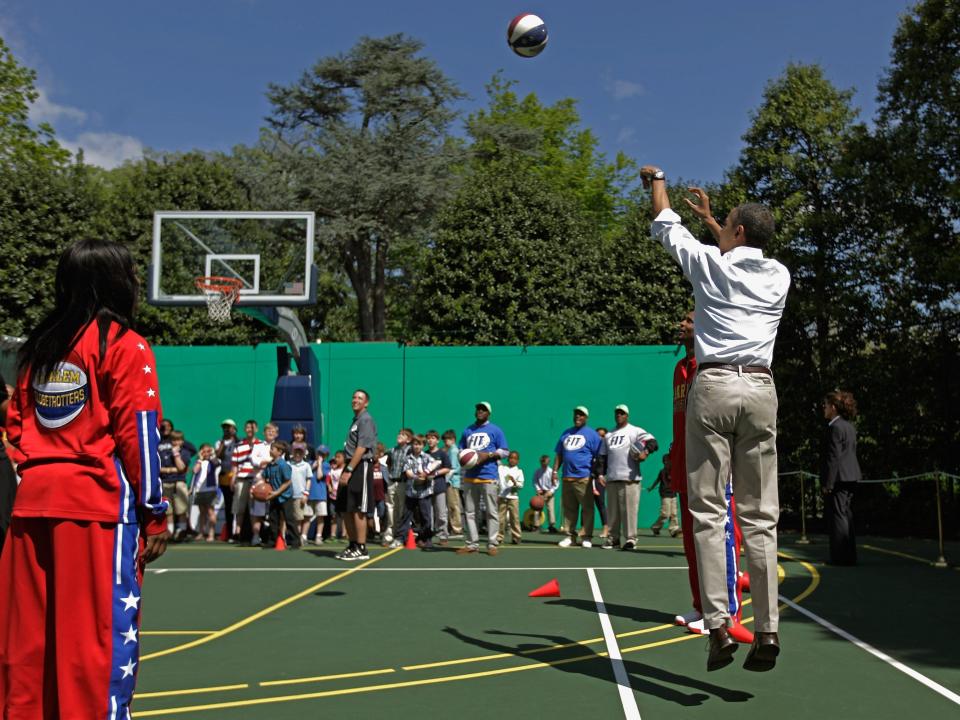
(803, 514)
(941, 560)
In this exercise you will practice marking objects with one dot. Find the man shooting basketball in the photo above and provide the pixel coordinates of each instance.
(732, 407)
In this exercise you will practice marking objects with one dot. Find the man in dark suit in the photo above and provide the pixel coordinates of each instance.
(839, 475)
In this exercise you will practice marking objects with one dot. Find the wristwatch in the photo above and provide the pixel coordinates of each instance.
(349, 469)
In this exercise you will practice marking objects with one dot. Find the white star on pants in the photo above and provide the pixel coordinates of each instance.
(130, 636)
(128, 668)
(130, 601)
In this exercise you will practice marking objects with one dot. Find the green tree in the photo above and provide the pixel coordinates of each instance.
(375, 160)
(795, 162)
(45, 201)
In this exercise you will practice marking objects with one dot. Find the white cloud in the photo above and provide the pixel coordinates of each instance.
(45, 110)
(107, 150)
(623, 89)
(626, 135)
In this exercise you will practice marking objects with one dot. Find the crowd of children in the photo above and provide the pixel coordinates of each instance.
(416, 488)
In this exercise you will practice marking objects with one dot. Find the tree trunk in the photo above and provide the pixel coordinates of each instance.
(380, 291)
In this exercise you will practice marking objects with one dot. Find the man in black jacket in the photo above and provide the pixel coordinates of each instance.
(839, 475)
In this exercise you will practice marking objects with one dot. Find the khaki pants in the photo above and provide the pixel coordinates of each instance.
(732, 428)
(668, 514)
(471, 500)
(454, 513)
(509, 511)
(623, 502)
(549, 508)
(577, 498)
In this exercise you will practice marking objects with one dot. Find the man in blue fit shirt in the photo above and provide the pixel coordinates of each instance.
(481, 480)
(576, 450)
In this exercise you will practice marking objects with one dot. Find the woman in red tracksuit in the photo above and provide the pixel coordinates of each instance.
(83, 425)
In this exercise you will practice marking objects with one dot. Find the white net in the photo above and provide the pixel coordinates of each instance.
(220, 299)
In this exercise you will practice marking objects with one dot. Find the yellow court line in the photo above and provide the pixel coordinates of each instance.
(321, 678)
(917, 558)
(815, 581)
(266, 611)
(191, 691)
(177, 632)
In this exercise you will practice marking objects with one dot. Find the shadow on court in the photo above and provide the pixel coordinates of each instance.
(583, 660)
(628, 612)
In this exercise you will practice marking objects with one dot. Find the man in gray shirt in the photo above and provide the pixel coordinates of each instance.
(355, 491)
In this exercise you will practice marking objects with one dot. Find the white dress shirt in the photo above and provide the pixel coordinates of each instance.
(739, 295)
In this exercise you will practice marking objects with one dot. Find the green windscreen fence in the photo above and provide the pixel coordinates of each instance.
(533, 391)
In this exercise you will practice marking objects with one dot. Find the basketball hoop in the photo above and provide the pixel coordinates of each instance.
(220, 293)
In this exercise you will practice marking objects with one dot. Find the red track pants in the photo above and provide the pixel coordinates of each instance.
(69, 619)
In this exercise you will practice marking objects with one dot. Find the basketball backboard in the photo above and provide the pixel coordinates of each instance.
(270, 253)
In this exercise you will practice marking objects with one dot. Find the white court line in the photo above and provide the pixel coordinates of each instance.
(923, 679)
(630, 709)
(411, 569)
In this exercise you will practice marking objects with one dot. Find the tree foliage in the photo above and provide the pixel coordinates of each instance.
(375, 161)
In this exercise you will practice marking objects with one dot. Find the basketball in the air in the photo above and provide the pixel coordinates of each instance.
(527, 35)
(537, 502)
(261, 490)
(468, 458)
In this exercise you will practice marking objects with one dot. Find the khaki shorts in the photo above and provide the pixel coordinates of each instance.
(297, 509)
(315, 508)
(176, 494)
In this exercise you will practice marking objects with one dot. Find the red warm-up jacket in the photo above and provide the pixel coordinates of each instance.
(85, 437)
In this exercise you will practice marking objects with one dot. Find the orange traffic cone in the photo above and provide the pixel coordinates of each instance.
(225, 532)
(551, 589)
(281, 544)
(411, 543)
(739, 633)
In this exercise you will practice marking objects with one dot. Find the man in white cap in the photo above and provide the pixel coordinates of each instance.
(481, 480)
(622, 451)
(576, 450)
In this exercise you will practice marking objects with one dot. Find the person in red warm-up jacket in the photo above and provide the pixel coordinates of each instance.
(83, 426)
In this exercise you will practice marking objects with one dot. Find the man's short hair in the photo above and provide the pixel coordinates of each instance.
(251, 422)
(758, 224)
(365, 393)
(434, 433)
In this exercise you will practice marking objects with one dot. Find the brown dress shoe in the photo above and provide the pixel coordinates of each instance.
(466, 551)
(721, 647)
(763, 653)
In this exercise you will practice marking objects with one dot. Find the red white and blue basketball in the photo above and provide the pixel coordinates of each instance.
(527, 35)
(468, 458)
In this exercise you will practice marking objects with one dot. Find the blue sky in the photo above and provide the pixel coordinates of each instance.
(668, 83)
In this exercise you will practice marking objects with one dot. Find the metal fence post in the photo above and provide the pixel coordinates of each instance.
(941, 560)
(803, 514)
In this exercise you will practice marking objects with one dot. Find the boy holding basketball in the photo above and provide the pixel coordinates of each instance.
(281, 501)
(508, 502)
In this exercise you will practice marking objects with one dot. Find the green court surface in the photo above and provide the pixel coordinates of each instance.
(232, 632)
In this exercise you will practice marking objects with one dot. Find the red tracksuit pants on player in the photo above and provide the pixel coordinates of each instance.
(734, 539)
(69, 619)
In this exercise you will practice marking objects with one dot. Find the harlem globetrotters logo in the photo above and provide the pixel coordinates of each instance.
(61, 396)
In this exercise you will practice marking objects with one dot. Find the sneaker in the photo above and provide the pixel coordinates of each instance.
(696, 627)
(318, 540)
(466, 550)
(361, 554)
(387, 538)
(674, 533)
(655, 530)
(427, 545)
(566, 542)
(395, 543)
(586, 544)
(607, 544)
(492, 551)
(628, 545)
(348, 554)
(687, 618)
(255, 542)
(552, 530)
